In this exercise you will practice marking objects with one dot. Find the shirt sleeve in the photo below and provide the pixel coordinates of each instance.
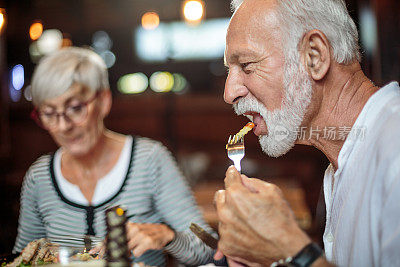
(176, 204)
(390, 217)
(30, 223)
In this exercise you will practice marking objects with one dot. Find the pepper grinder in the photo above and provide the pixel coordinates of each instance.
(117, 253)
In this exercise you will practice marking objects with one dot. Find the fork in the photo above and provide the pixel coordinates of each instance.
(235, 150)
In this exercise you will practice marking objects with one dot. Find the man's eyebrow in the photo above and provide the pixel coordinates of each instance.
(246, 55)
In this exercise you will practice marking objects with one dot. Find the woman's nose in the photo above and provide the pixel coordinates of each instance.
(64, 123)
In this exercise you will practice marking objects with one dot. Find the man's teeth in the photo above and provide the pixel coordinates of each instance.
(250, 117)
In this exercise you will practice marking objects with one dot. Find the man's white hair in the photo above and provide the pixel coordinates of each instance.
(331, 17)
(57, 72)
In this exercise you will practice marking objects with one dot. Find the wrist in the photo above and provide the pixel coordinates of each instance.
(321, 261)
(295, 246)
(169, 235)
(306, 257)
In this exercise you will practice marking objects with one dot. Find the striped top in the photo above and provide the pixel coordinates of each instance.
(153, 191)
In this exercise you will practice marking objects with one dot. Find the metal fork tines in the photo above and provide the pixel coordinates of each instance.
(235, 150)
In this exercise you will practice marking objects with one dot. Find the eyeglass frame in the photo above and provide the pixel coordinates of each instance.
(35, 114)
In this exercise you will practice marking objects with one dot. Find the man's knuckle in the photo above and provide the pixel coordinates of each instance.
(224, 215)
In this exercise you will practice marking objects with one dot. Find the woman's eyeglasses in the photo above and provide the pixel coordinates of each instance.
(75, 113)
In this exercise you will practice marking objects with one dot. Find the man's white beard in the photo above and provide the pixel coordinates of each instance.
(283, 124)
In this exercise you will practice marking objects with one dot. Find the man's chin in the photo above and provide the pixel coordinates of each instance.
(274, 148)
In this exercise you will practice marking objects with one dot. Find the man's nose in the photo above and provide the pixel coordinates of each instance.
(234, 88)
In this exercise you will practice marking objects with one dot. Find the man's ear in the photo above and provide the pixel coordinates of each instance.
(315, 52)
(106, 102)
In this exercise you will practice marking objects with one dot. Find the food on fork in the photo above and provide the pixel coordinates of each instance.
(247, 128)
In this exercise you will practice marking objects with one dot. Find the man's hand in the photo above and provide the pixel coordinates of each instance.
(256, 223)
(142, 237)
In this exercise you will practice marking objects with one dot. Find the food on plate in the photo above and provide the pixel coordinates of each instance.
(37, 252)
(41, 251)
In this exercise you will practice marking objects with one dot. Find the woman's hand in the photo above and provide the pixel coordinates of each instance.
(142, 237)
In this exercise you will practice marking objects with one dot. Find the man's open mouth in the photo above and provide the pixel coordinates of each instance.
(257, 119)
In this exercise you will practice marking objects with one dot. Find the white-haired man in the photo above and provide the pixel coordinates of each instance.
(294, 71)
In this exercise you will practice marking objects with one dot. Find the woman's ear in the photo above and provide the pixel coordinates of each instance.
(106, 102)
(316, 54)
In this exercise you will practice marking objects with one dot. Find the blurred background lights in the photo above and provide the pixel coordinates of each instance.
(193, 10)
(150, 20)
(66, 42)
(180, 83)
(101, 41)
(161, 82)
(34, 52)
(49, 41)
(181, 41)
(108, 57)
(16, 82)
(17, 77)
(36, 30)
(28, 93)
(2, 18)
(368, 30)
(134, 83)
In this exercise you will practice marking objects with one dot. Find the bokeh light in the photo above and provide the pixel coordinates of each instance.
(17, 77)
(49, 41)
(134, 83)
(108, 57)
(193, 10)
(36, 30)
(150, 20)
(161, 82)
(368, 30)
(101, 41)
(34, 52)
(2, 18)
(180, 83)
(66, 42)
(28, 93)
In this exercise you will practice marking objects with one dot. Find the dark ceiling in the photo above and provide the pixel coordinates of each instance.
(79, 19)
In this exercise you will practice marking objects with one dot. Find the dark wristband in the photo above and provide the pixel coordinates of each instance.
(304, 258)
(307, 255)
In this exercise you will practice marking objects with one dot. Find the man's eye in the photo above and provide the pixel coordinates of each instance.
(244, 67)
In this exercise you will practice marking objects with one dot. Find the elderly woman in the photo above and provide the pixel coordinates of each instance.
(65, 195)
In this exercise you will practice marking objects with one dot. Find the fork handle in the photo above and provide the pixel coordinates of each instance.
(237, 165)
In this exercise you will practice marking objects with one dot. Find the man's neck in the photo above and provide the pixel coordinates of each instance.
(340, 99)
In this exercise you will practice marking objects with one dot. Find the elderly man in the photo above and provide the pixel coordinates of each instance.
(294, 71)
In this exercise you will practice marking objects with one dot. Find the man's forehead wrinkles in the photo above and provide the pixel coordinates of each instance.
(250, 41)
(244, 52)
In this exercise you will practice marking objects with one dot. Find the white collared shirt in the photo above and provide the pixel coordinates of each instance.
(363, 196)
(106, 187)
